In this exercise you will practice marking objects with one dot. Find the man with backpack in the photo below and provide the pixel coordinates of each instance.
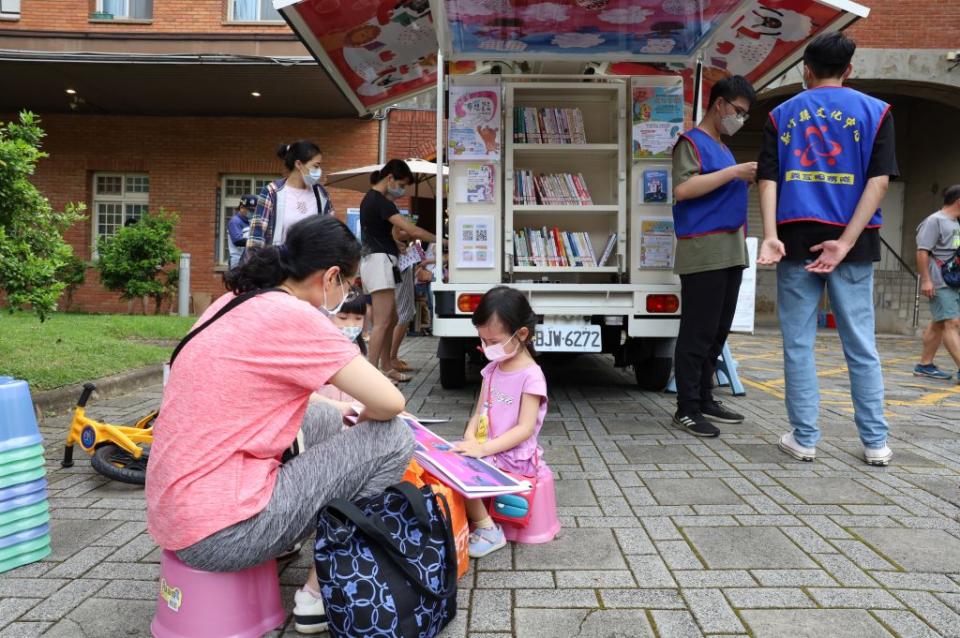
(938, 250)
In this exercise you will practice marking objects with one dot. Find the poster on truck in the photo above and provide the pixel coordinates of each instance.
(474, 121)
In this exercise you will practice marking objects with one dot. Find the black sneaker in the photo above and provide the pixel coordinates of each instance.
(696, 424)
(716, 411)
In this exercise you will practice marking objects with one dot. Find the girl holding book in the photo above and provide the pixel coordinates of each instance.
(512, 403)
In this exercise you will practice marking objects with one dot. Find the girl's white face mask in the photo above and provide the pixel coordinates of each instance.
(351, 332)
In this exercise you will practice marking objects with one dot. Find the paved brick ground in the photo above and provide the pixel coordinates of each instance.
(664, 535)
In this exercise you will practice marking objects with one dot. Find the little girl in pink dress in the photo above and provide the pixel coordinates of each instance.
(511, 406)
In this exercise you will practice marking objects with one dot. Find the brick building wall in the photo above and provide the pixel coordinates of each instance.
(411, 133)
(908, 24)
(169, 16)
(185, 158)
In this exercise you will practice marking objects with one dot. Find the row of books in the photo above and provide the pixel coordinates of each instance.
(553, 189)
(553, 248)
(548, 126)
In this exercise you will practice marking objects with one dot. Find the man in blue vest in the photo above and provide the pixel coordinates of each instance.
(709, 218)
(827, 157)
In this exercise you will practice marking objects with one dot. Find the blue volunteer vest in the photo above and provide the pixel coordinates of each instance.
(719, 211)
(825, 140)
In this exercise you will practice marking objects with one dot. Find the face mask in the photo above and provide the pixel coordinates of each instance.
(397, 192)
(351, 332)
(312, 178)
(497, 352)
(330, 312)
(730, 124)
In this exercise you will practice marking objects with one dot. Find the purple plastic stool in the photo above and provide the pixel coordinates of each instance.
(544, 524)
(198, 604)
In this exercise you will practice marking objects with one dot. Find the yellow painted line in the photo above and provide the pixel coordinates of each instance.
(931, 398)
(772, 391)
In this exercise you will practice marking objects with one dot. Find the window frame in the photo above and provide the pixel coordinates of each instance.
(126, 17)
(232, 19)
(10, 14)
(124, 199)
(227, 208)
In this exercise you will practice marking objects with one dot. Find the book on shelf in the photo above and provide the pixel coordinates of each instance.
(532, 125)
(554, 189)
(608, 249)
(554, 248)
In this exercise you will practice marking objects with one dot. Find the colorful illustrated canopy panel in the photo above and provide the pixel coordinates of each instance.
(766, 35)
(380, 52)
(582, 29)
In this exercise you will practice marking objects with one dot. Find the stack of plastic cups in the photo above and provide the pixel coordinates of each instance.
(24, 515)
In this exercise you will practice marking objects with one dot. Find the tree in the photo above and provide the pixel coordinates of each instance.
(32, 250)
(136, 261)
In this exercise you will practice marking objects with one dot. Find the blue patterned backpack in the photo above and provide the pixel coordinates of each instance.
(387, 565)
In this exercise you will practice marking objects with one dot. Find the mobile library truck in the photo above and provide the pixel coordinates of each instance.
(557, 119)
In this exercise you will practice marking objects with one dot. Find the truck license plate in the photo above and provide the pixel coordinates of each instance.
(567, 338)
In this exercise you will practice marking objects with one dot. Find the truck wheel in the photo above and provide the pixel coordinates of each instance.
(653, 373)
(453, 373)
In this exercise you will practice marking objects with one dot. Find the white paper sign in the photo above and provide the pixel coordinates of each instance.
(744, 315)
(656, 243)
(474, 241)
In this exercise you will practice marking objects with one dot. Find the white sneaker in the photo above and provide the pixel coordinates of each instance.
(878, 456)
(308, 613)
(789, 445)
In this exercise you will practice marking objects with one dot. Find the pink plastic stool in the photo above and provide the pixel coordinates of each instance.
(198, 604)
(544, 524)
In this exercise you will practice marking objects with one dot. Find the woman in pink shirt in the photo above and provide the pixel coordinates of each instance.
(238, 393)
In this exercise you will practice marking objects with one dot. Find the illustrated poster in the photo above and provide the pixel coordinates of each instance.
(476, 184)
(474, 121)
(656, 243)
(475, 241)
(743, 316)
(657, 120)
(656, 186)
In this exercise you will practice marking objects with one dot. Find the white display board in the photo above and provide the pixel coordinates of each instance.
(745, 313)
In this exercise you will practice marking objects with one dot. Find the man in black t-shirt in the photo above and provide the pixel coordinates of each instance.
(826, 161)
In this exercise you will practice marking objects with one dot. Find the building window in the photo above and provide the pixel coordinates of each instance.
(232, 188)
(125, 9)
(118, 197)
(9, 9)
(253, 11)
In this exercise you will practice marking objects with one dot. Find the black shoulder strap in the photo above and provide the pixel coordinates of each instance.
(233, 303)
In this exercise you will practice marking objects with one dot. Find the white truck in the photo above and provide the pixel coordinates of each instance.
(561, 119)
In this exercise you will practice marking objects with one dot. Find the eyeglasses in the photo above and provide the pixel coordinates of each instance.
(741, 112)
(352, 293)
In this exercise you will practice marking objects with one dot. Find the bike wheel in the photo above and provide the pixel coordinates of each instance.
(116, 463)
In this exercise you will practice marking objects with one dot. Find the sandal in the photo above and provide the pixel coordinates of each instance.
(402, 366)
(399, 377)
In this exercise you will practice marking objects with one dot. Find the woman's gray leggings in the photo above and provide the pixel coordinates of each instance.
(353, 463)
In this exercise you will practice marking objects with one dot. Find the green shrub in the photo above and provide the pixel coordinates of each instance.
(32, 250)
(140, 260)
(72, 273)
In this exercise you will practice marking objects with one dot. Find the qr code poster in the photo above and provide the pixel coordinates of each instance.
(474, 242)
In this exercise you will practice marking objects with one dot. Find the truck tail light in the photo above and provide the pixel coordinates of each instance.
(468, 302)
(663, 303)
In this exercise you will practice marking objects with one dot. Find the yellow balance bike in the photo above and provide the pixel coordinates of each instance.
(119, 452)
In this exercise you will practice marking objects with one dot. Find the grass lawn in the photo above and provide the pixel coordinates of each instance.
(73, 348)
